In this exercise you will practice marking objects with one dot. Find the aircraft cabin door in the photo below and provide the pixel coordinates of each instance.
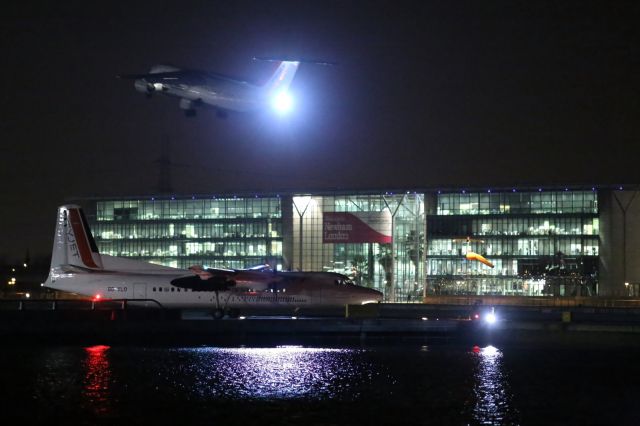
(139, 290)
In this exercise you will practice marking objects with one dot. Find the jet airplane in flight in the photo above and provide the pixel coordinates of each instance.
(203, 88)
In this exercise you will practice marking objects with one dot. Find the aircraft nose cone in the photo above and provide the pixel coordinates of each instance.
(375, 295)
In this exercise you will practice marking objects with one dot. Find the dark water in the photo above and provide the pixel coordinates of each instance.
(406, 384)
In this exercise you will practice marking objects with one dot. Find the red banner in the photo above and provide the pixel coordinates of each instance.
(356, 227)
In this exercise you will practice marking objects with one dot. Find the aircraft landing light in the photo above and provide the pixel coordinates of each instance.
(282, 102)
(491, 317)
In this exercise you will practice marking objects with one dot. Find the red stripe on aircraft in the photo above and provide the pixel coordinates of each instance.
(81, 239)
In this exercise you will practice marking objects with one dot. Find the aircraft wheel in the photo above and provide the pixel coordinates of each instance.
(233, 313)
(218, 314)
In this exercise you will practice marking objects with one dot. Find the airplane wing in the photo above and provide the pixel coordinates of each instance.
(205, 279)
(261, 268)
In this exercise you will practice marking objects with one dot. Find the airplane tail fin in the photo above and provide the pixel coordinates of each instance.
(282, 77)
(73, 243)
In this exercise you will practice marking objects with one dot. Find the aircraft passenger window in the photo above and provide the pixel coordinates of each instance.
(173, 289)
(159, 288)
(154, 289)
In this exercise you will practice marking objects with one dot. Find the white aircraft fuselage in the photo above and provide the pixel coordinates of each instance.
(77, 267)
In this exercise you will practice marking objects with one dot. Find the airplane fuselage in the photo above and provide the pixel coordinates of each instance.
(197, 88)
(78, 267)
(216, 92)
(156, 290)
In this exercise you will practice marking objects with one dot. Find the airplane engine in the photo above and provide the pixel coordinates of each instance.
(143, 86)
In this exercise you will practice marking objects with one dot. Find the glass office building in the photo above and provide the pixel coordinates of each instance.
(540, 242)
(222, 232)
(396, 268)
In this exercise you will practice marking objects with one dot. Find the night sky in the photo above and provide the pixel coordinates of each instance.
(474, 94)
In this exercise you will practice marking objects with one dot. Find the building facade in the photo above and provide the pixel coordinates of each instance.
(224, 232)
(408, 244)
(540, 243)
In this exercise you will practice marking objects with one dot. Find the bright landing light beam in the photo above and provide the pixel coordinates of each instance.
(491, 318)
(282, 102)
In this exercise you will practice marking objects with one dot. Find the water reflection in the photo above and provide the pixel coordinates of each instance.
(493, 397)
(280, 372)
(97, 379)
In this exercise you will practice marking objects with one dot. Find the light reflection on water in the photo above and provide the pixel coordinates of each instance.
(204, 374)
(445, 384)
(493, 398)
(282, 372)
(97, 379)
